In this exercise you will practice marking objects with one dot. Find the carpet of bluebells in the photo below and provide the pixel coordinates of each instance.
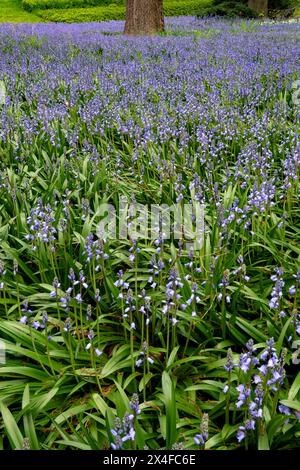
(141, 343)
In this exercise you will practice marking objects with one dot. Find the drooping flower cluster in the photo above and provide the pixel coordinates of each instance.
(90, 345)
(2, 274)
(27, 319)
(173, 295)
(94, 251)
(144, 355)
(124, 429)
(202, 437)
(121, 283)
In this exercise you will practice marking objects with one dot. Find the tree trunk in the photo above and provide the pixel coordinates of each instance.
(259, 6)
(144, 17)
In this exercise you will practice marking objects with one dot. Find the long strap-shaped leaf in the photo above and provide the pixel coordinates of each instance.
(170, 405)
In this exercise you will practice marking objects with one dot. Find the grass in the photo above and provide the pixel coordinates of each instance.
(11, 11)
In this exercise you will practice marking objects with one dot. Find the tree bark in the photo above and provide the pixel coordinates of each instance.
(144, 17)
(259, 6)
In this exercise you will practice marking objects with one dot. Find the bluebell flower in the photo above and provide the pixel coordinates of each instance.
(241, 434)
(118, 442)
(202, 437)
(88, 312)
(250, 424)
(244, 393)
(72, 277)
(65, 301)
(41, 224)
(56, 286)
(90, 336)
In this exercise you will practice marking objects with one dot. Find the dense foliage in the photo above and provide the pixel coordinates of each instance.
(145, 342)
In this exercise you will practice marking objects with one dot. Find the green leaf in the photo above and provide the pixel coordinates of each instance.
(76, 444)
(29, 428)
(110, 422)
(140, 436)
(210, 385)
(214, 441)
(118, 361)
(144, 380)
(282, 335)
